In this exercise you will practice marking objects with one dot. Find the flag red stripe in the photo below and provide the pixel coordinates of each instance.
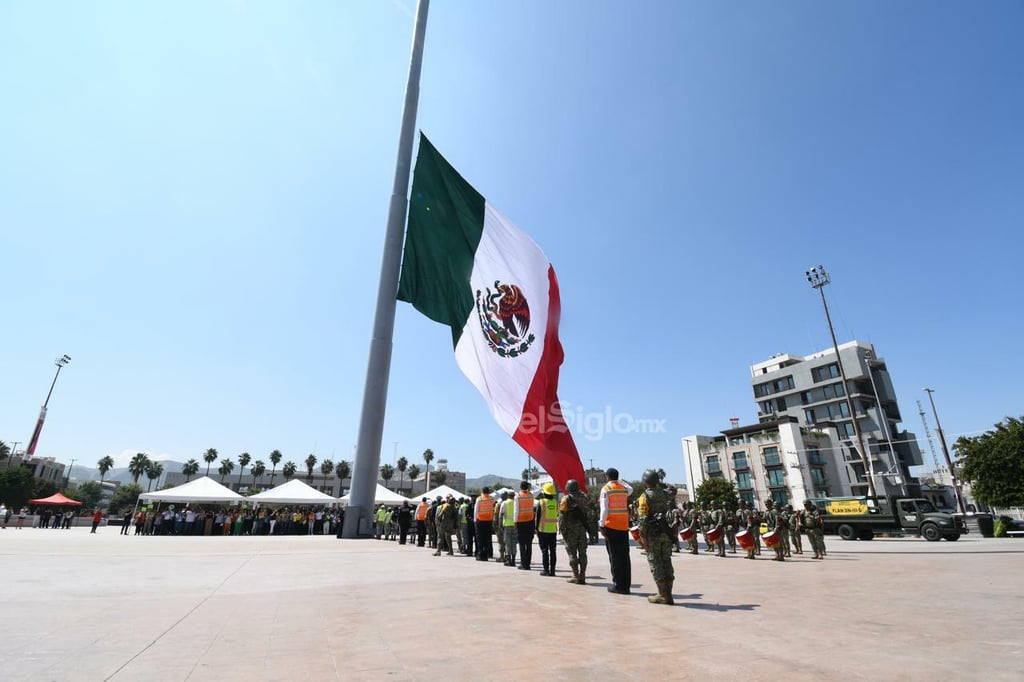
(542, 431)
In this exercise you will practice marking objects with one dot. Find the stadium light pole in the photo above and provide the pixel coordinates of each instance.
(31, 451)
(818, 278)
(13, 452)
(945, 451)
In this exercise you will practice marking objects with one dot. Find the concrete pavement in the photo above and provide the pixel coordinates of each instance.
(78, 606)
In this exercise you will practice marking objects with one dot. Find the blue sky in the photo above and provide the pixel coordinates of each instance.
(193, 198)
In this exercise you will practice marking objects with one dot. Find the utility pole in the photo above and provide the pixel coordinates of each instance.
(67, 479)
(10, 456)
(31, 451)
(945, 452)
(928, 434)
(818, 279)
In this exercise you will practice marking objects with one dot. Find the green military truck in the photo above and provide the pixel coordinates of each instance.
(859, 518)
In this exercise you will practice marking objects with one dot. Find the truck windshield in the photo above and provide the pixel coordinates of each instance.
(926, 507)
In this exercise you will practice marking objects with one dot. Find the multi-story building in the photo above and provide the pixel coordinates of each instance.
(45, 468)
(804, 444)
(810, 389)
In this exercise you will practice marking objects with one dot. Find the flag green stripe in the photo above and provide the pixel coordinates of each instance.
(446, 219)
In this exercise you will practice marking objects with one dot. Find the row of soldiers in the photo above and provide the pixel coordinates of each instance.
(720, 525)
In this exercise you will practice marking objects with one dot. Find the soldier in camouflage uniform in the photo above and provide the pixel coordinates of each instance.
(432, 523)
(652, 507)
(794, 530)
(675, 515)
(753, 524)
(691, 520)
(573, 520)
(730, 528)
(447, 525)
(810, 521)
(774, 521)
(704, 514)
(786, 516)
(718, 517)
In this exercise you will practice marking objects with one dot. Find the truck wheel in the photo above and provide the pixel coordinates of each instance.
(954, 537)
(866, 535)
(847, 532)
(930, 532)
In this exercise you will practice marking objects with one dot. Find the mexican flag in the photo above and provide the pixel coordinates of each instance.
(466, 266)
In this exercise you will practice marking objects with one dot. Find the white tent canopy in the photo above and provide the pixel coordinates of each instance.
(203, 489)
(442, 490)
(382, 496)
(293, 492)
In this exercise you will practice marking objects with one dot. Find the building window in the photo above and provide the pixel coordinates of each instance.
(846, 430)
(825, 372)
(771, 456)
(767, 406)
(818, 476)
(776, 477)
(780, 404)
(780, 497)
(770, 387)
(743, 480)
(739, 460)
(747, 497)
(814, 455)
(833, 391)
(809, 417)
(837, 410)
(713, 465)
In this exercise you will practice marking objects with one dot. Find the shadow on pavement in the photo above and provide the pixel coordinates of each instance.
(721, 607)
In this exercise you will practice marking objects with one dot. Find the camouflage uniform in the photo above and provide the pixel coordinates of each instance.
(704, 514)
(794, 530)
(652, 507)
(574, 519)
(691, 519)
(718, 521)
(786, 516)
(432, 525)
(447, 525)
(772, 518)
(810, 520)
(730, 529)
(753, 522)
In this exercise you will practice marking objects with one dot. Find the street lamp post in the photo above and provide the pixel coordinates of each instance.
(818, 279)
(871, 361)
(14, 451)
(945, 451)
(67, 479)
(31, 451)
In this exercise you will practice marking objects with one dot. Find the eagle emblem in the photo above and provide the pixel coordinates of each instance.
(504, 315)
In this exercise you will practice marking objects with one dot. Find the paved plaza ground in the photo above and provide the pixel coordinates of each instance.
(78, 606)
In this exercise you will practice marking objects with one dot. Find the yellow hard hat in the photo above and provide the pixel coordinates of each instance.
(549, 488)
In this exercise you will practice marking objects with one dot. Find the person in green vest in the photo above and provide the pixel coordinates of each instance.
(547, 527)
(508, 527)
(381, 519)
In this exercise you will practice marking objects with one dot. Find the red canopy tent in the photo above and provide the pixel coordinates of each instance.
(56, 499)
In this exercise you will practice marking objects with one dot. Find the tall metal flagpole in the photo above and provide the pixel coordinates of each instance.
(375, 391)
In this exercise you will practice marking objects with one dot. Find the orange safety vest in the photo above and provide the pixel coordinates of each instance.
(421, 511)
(618, 506)
(485, 508)
(525, 507)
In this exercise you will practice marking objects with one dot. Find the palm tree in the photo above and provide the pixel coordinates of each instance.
(138, 465)
(190, 469)
(243, 460)
(402, 465)
(257, 470)
(310, 463)
(387, 472)
(226, 467)
(343, 470)
(326, 467)
(288, 470)
(5, 450)
(428, 457)
(275, 459)
(105, 464)
(440, 477)
(210, 456)
(153, 472)
(414, 473)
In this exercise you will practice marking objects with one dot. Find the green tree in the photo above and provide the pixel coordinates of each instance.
(190, 469)
(153, 471)
(5, 451)
(226, 467)
(326, 467)
(16, 487)
(105, 464)
(440, 476)
(414, 473)
(387, 472)
(243, 461)
(138, 465)
(43, 488)
(90, 494)
(715, 491)
(275, 459)
(428, 457)
(210, 456)
(993, 463)
(310, 463)
(401, 466)
(124, 497)
(288, 470)
(258, 469)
